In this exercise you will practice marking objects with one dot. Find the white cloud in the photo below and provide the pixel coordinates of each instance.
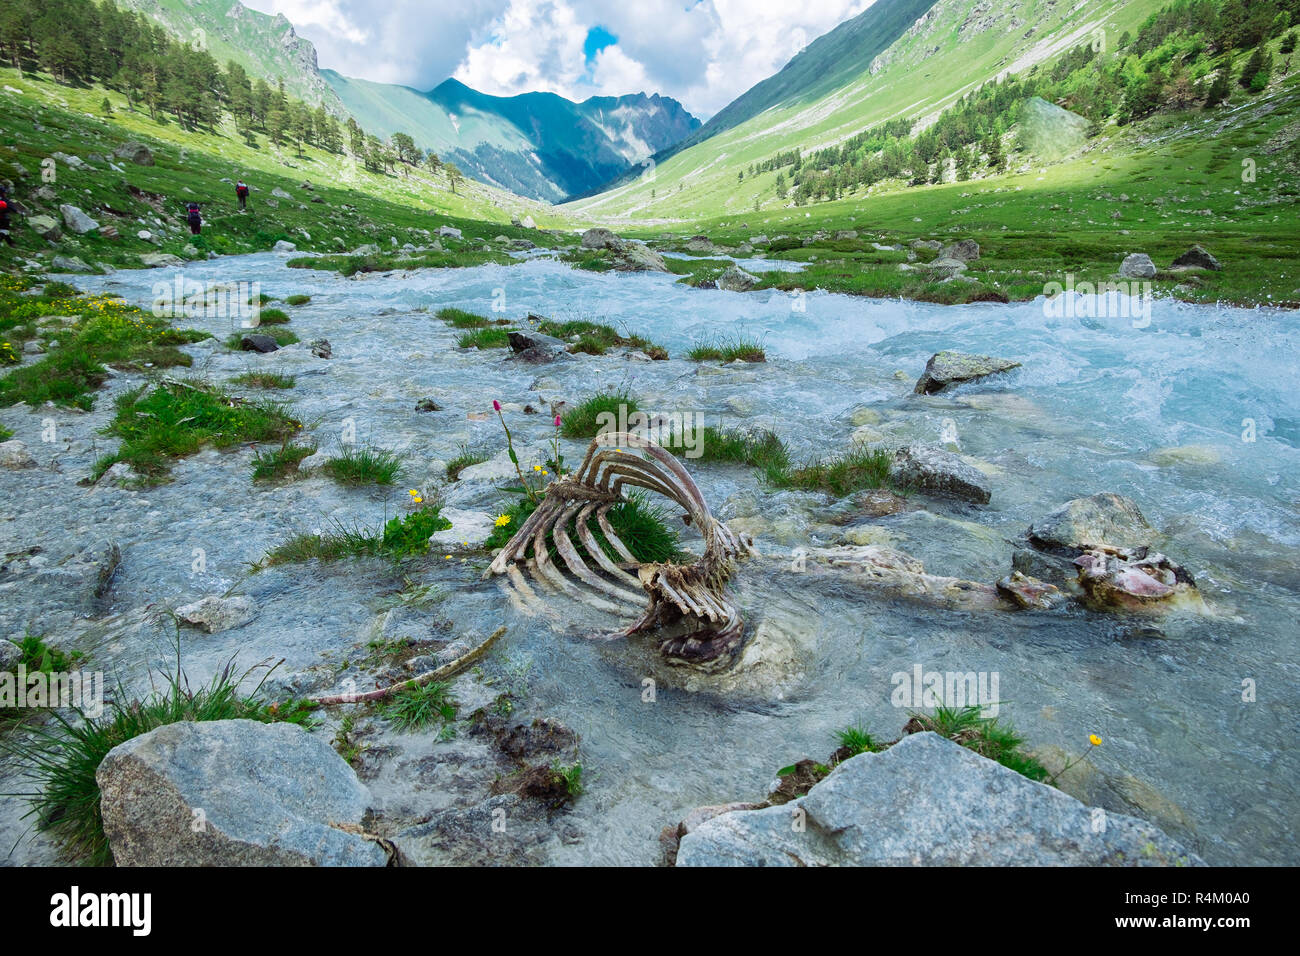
(705, 54)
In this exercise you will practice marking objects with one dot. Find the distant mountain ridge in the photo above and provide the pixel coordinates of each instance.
(538, 145)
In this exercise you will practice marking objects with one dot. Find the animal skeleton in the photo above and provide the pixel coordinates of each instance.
(702, 626)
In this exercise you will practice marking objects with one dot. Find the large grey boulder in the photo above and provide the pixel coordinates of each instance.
(70, 264)
(155, 260)
(76, 220)
(233, 793)
(927, 801)
(14, 455)
(1137, 266)
(936, 471)
(45, 227)
(1102, 520)
(638, 257)
(952, 368)
(1197, 257)
(138, 153)
(963, 250)
(599, 238)
(736, 279)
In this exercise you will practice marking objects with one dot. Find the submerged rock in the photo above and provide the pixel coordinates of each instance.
(927, 801)
(951, 368)
(233, 793)
(14, 455)
(1029, 592)
(938, 472)
(736, 279)
(535, 347)
(1133, 579)
(258, 343)
(215, 613)
(1100, 520)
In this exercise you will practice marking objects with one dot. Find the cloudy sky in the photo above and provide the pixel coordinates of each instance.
(701, 52)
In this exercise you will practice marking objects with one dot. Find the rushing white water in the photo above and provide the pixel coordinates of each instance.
(1195, 415)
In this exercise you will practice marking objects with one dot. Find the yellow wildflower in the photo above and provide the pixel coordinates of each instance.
(503, 520)
(1094, 740)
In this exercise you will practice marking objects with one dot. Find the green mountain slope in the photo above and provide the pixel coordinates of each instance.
(538, 145)
(825, 65)
(952, 49)
(265, 46)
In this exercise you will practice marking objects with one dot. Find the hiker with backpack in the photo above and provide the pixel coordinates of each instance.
(194, 217)
(4, 215)
(241, 190)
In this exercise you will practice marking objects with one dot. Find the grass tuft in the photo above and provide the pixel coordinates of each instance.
(728, 349)
(364, 465)
(591, 417)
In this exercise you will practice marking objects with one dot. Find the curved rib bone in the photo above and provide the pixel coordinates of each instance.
(692, 598)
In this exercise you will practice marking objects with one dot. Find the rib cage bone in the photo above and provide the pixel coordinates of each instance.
(688, 603)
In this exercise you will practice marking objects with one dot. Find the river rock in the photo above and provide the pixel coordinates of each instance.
(216, 613)
(258, 343)
(138, 153)
(70, 264)
(536, 347)
(1132, 579)
(233, 793)
(1138, 266)
(935, 471)
(10, 655)
(963, 250)
(154, 260)
(1030, 593)
(45, 227)
(14, 455)
(284, 245)
(638, 257)
(76, 220)
(736, 279)
(952, 368)
(1101, 520)
(1197, 257)
(322, 349)
(600, 238)
(468, 528)
(927, 801)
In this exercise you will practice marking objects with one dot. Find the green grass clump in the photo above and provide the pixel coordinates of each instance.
(106, 331)
(36, 657)
(988, 736)
(273, 317)
(62, 757)
(594, 338)
(571, 776)
(460, 319)
(489, 338)
(724, 349)
(762, 450)
(264, 380)
(364, 465)
(401, 537)
(5, 434)
(176, 419)
(640, 525)
(282, 337)
(856, 741)
(281, 462)
(297, 299)
(589, 419)
(464, 460)
(858, 469)
(412, 708)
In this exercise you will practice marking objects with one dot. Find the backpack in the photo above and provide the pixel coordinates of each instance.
(241, 190)
(4, 207)
(194, 213)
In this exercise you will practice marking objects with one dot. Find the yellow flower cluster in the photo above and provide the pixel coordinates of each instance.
(503, 520)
